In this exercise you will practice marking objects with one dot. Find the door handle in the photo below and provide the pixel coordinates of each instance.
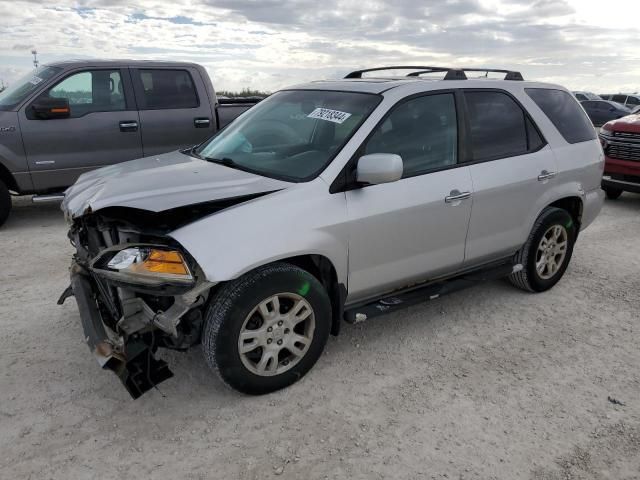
(201, 122)
(456, 196)
(129, 126)
(545, 175)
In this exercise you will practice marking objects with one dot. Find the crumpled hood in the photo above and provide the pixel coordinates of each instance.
(161, 183)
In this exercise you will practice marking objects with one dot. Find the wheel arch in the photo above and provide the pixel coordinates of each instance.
(323, 269)
(574, 206)
(8, 179)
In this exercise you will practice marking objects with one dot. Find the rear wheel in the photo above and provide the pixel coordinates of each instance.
(612, 193)
(547, 252)
(5, 203)
(265, 330)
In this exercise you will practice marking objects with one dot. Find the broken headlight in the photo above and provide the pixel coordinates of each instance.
(144, 265)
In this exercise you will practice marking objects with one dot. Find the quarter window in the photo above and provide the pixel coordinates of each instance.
(167, 89)
(423, 131)
(91, 91)
(565, 113)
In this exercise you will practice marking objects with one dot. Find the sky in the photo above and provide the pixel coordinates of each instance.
(271, 44)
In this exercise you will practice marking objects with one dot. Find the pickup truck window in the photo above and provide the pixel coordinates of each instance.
(292, 135)
(423, 131)
(565, 113)
(91, 91)
(21, 89)
(167, 89)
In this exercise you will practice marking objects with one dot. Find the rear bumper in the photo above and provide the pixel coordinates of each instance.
(131, 359)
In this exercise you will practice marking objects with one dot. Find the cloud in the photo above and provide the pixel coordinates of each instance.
(269, 44)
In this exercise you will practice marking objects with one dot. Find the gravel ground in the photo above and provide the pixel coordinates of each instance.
(488, 383)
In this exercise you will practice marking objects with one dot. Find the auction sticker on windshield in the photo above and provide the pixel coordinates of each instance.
(335, 116)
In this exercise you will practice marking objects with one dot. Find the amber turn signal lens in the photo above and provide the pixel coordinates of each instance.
(161, 261)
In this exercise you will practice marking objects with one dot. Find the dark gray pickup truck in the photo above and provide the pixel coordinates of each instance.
(67, 118)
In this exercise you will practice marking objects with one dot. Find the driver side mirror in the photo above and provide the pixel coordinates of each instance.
(50, 108)
(377, 168)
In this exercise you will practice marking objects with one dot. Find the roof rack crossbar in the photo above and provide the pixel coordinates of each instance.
(451, 73)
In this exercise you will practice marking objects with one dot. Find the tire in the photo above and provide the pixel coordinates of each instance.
(612, 193)
(530, 278)
(5, 203)
(247, 306)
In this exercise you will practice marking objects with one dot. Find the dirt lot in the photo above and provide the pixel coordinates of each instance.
(487, 383)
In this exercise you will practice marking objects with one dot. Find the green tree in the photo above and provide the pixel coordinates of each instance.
(245, 92)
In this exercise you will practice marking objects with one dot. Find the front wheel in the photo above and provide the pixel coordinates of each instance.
(612, 193)
(265, 330)
(547, 252)
(5, 203)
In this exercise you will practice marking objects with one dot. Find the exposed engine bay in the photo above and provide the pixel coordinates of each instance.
(137, 289)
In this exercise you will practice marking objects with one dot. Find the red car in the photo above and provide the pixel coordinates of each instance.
(621, 144)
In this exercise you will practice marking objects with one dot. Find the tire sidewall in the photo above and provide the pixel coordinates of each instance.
(225, 341)
(613, 193)
(552, 217)
(5, 203)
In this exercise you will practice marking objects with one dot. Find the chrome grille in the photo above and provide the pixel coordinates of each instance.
(622, 146)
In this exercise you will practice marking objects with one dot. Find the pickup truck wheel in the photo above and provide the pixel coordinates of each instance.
(612, 193)
(265, 330)
(5, 203)
(547, 252)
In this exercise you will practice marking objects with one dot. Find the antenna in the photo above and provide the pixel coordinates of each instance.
(35, 58)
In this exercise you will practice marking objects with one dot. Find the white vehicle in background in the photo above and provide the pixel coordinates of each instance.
(629, 100)
(328, 201)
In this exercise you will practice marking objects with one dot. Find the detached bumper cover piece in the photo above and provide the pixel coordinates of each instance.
(134, 363)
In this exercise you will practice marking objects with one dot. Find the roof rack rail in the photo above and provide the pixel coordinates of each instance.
(451, 73)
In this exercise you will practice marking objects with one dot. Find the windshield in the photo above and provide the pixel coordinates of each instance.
(291, 135)
(22, 88)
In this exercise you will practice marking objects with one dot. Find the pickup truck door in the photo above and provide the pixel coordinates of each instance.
(175, 110)
(102, 128)
(513, 170)
(413, 229)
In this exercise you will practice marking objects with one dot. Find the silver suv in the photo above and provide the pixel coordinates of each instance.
(328, 201)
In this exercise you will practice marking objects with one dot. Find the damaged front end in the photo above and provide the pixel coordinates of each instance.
(136, 290)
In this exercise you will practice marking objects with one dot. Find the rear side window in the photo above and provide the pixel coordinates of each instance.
(565, 113)
(619, 98)
(498, 126)
(633, 101)
(167, 89)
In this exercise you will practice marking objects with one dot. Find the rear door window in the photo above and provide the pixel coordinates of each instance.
(619, 98)
(565, 113)
(166, 89)
(498, 126)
